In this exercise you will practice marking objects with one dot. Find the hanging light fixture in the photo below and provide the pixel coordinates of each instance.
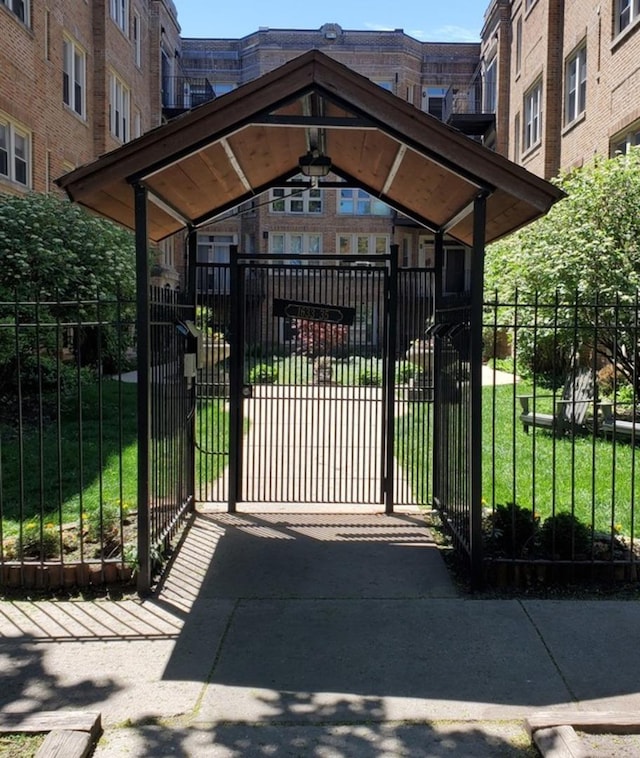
(314, 164)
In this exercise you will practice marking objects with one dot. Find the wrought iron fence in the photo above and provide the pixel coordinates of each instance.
(561, 427)
(67, 442)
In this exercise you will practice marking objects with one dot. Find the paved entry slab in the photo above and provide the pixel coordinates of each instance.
(313, 444)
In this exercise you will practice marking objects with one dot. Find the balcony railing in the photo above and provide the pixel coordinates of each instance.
(464, 108)
(181, 93)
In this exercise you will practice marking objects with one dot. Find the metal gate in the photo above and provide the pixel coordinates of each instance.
(300, 397)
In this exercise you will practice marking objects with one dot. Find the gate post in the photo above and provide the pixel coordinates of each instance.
(192, 295)
(390, 374)
(144, 400)
(236, 371)
(438, 263)
(477, 297)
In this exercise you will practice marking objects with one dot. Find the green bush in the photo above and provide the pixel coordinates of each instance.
(510, 531)
(263, 373)
(370, 378)
(563, 537)
(405, 371)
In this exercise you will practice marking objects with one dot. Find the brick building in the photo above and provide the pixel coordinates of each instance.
(332, 220)
(78, 79)
(566, 79)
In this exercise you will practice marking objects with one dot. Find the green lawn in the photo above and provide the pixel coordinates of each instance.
(587, 476)
(83, 457)
(76, 465)
(590, 477)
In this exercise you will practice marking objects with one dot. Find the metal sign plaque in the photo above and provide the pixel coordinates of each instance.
(330, 314)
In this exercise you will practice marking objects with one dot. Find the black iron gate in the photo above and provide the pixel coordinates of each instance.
(317, 382)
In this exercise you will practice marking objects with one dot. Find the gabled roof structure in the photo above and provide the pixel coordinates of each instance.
(232, 149)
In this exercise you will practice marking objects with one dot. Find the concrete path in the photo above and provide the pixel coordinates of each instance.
(316, 635)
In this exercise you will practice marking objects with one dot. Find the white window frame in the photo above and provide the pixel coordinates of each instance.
(302, 243)
(360, 203)
(437, 95)
(21, 9)
(74, 76)
(354, 243)
(575, 85)
(16, 151)
(625, 141)
(136, 36)
(119, 109)
(120, 14)
(305, 202)
(626, 13)
(532, 122)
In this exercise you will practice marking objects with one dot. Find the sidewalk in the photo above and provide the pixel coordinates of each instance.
(317, 635)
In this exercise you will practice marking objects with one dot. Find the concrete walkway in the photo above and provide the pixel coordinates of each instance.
(316, 635)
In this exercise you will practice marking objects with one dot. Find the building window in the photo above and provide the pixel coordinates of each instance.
(120, 14)
(362, 244)
(74, 76)
(626, 13)
(357, 202)
(491, 86)
(434, 101)
(624, 142)
(21, 8)
(137, 40)
(575, 85)
(286, 200)
(119, 107)
(281, 243)
(532, 116)
(15, 153)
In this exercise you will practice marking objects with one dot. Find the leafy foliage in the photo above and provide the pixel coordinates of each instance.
(585, 250)
(61, 265)
(320, 337)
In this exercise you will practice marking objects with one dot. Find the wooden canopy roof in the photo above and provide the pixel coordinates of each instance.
(231, 149)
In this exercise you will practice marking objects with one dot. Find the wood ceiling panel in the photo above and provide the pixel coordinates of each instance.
(121, 211)
(365, 155)
(191, 184)
(265, 152)
(422, 184)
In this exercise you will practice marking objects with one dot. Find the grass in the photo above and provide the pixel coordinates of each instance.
(75, 467)
(349, 371)
(589, 477)
(20, 745)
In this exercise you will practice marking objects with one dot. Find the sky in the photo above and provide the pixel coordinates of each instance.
(429, 20)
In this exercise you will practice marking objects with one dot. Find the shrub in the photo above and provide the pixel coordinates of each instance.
(563, 536)
(38, 540)
(319, 337)
(510, 531)
(406, 371)
(370, 378)
(263, 373)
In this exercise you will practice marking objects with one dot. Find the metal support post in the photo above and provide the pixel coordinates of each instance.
(475, 447)
(236, 372)
(144, 396)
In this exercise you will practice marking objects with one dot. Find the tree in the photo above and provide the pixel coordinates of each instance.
(73, 268)
(586, 250)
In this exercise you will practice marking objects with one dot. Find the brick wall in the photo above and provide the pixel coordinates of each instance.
(552, 31)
